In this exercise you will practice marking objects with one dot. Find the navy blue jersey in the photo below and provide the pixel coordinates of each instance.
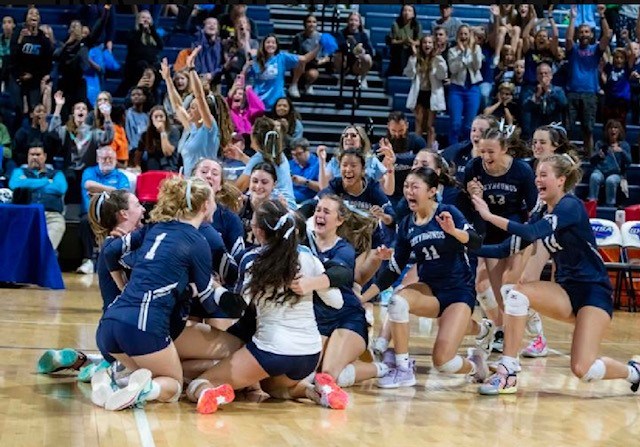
(250, 241)
(458, 156)
(172, 255)
(108, 288)
(511, 195)
(223, 263)
(441, 259)
(371, 195)
(566, 233)
(341, 254)
(230, 228)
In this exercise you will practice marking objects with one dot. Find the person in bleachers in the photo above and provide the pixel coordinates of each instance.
(304, 170)
(583, 85)
(120, 144)
(144, 46)
(302, 43)
(270, 67)
(137, 120)
(504, 107)
(610, 160)
(487, 85)
(538, 47)
(25, 137)
(79, 141)
(354, 46)
(448, 22)
(73, 60)
(90, 14)
(627, 19)
(634, 81)
(156, 150)
(244, 106)
(405, 33)
(617, 87)
(547, 104)
(239, 49)
(290, 121)
(39, 183)
(30, 60)
(210, 59)
(228, 21)
(504, 25)
(105, 177)
(428, 69)
(8, 25)
(464, 61)
(441, 41)
(183, 87)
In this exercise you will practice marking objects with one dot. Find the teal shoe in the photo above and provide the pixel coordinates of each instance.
(87, 372)
(54, 360)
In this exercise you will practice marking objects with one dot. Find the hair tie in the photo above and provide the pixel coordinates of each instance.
(276, 135)
(355, 210)
(283, 219)
(103, 196)
(559, 127)
(506, 129)
(188, 194)
(570, 158)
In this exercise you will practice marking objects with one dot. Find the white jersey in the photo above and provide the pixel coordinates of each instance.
(291, 329)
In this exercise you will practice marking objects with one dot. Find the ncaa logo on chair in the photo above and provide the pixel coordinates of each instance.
(601, 231)
(635, 230)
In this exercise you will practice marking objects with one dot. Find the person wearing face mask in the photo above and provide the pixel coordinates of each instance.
(97, 179)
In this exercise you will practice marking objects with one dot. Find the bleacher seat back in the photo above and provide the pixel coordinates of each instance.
(608, 238)
(148, 185)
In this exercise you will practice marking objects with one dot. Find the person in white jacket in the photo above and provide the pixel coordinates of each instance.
(465, 61)
(428, 69)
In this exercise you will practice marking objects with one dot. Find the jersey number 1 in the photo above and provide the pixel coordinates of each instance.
(152, 251)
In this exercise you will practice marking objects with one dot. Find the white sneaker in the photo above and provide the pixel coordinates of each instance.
(139, 385)
(102, 387)
(86, 267)
(309, 90)
(479, 359)
(293, 91)
(486, 343)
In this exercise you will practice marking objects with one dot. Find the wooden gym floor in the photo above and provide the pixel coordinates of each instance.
(552, 408)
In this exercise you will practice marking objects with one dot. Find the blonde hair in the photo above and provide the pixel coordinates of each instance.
(567, 166)
(180, 199)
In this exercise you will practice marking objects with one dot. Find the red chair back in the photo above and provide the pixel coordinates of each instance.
(148, 185)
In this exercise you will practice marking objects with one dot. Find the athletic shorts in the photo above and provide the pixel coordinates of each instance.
(447, 297)
(295, 367)
(115, 337)
(352, 318)
(589, 294)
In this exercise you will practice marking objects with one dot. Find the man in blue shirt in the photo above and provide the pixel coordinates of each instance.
(545, 105)
(96, 179)
(583, 84)
(304, 170)
(43, 185)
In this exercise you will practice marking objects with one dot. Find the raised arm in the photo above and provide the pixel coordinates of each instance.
(198, 90)
(571, 29)
(174, 96)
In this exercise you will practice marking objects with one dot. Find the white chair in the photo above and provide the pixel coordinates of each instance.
(631, 256)
(609, 241)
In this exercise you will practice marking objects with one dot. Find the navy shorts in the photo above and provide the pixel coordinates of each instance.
(295, 367)
(351, 318)
(589, 294)
(447, 297)
(115, 337)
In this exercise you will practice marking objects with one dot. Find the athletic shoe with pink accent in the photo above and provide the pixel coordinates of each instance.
(536, 348)
(212, 398)
(330, 394)
(502, 382)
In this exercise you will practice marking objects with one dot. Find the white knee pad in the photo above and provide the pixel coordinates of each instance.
(452, 366)
(193, 386)
(505, 289)
(176, 396)
(516, 304)
(596, 372)
(398, 310)
(487, 300)
(347, 376)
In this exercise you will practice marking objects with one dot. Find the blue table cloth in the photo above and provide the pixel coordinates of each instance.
(26, 253)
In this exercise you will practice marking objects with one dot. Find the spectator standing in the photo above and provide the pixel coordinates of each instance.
(448, 22)
(137, 120)
(8, 25)
(547, 104)
(405, 33)
(210, 58)
(617, 88)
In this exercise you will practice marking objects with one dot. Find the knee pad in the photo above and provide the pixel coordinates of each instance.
(487, 300)
(516, 304)
(398, 310)
(596, 372)
(347, 377)
(452, 366)
(193, 386)
(505, 289)
(176, 396)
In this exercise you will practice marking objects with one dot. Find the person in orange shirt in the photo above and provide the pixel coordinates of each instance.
(120, 143)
